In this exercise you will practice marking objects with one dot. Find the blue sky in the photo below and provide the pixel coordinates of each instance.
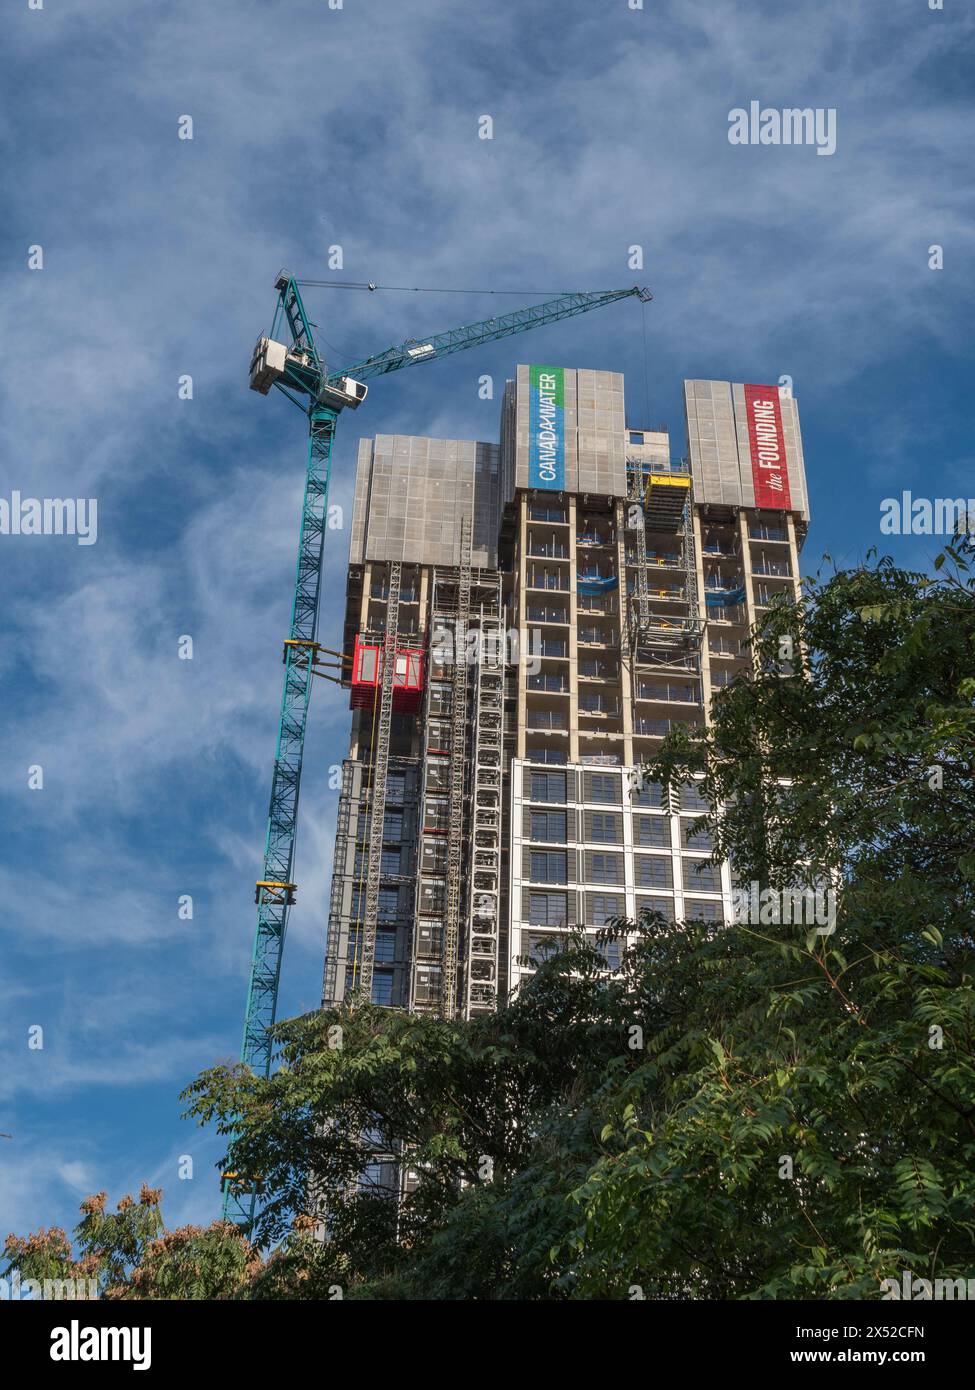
(358, 127)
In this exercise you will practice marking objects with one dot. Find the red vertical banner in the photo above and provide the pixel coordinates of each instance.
(767, 444)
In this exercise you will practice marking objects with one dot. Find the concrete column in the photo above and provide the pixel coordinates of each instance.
(524, 633)
(573, 637)
(702, 610)
(741, 522)
(627, 692)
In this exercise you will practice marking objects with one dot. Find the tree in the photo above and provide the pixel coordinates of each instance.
(129, 1254)
(817, 1126)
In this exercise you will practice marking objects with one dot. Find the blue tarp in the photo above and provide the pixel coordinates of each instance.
(596, 586)
(723, 598)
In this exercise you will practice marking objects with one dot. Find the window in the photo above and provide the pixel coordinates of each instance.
(603, 908)
(388, 903)
(391, 859)
(547, 719)
(393, 825)
(653, 872)
(651, 832)
(665, 906)
(605, 829)
(603, 786)
(691, 838)
(548, 866)
(605, 868)
(540, 945)
(385, 947)
(648, 794)
(636, 436)
(548, 786)
(382, 987)
(547, 755)
(548, 825)
(680, 691)
(691, 798)
(702, 910)
(396, 786)
(547, 909)
(704, 877)
(611, 952)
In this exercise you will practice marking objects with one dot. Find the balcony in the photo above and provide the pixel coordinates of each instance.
(542, 754)
(554, 515)
(598, 671)
(598, 637)
(599, 704)
(555, 683)
(547, 613)
(679, 692)
(547, 719)
(547, 579)
(777, 569)
(596, 606)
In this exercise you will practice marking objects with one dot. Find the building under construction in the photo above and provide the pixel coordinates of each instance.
(524, 623)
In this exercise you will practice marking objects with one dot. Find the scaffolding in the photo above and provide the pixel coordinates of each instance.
(663, 630)
(366, 953)
(458, 764)
(347, 803)
(481, 947)
(456, 942)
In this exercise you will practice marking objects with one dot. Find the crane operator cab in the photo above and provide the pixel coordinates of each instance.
(270, 361)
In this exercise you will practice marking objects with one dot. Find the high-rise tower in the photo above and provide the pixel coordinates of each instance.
(524, 623)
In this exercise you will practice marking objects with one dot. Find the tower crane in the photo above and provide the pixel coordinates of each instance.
(288, 359)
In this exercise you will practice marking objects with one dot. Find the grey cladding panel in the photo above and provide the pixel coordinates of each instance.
(411, 494)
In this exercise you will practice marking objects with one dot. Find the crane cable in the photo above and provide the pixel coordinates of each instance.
(427, 289)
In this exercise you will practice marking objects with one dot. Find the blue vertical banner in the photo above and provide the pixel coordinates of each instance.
(546, 428)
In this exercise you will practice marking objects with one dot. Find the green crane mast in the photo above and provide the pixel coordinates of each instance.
(288, 359)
